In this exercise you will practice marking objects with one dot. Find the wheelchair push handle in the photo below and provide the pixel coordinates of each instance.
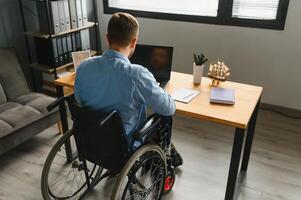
(56, 103)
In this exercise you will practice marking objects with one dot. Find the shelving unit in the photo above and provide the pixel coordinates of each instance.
(47, 35)
(92, 24)
(47, 69)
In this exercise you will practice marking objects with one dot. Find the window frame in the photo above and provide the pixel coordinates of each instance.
(224, 16)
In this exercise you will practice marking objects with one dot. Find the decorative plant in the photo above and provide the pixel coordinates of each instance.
(200, 59)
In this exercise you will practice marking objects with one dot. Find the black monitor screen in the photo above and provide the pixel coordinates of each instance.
(157, 59)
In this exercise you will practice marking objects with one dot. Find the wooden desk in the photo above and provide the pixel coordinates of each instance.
(242, 116)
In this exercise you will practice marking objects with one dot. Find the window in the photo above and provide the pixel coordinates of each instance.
(187, 7)
(255, 9)
(251, 13)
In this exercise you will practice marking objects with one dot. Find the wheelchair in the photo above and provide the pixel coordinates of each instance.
(96, 148)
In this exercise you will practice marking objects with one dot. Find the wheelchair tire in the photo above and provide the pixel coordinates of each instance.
(149, 159)
(76, 188)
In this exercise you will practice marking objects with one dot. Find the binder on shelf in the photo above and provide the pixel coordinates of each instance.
(55, 53)
(85, 12)
(62, 15)
(79, 13)
(69, 47)
(73, 16)
(55, 17)
(67, 15)
(65, 49)
(73, 38)
(43, 19)
(85, 39)
(43, 25)
(47, 52)
(78, 42)
(60, 50)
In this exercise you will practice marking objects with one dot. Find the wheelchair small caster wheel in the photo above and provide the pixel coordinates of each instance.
(169, 181)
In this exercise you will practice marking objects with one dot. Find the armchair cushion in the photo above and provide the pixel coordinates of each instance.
(11, 76)
(9, 105)
(17, 117)
(35, 100)
(24, 110)
(5, 128)
(2, 95)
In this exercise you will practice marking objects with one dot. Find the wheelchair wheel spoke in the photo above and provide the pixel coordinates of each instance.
(62, 179)
(143, 179)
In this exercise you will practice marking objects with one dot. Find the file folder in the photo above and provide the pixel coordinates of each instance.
(79, 13)
(78, 41)
(73, 16)
(88, 39)
(61, 9)
(55, 53)
(55, 17)
(67, 15)
(85, 39)
(73, 42)
(85, 12)
(48, 54)
(69, 47)
(60, 50)
(43, 25)
(65, 49)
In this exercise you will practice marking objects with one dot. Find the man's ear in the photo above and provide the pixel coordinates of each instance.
(107, 40)
(133, 42)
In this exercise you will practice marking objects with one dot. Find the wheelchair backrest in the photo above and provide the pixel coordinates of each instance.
(100, 136)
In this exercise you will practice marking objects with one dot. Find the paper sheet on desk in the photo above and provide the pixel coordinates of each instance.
(185, 95)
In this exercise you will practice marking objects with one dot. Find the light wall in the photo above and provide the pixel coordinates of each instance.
(267, 58)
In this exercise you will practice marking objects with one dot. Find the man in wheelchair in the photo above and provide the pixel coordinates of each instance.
(111, 129)
(112, 82)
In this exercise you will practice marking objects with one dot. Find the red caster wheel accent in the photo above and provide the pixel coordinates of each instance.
(169, 181)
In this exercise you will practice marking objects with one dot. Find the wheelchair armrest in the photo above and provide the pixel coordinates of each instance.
(151, 126)
(58, 102)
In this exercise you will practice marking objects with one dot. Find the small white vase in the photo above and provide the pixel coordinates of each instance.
(197, 73)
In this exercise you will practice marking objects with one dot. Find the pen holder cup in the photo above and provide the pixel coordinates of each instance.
(197, 73)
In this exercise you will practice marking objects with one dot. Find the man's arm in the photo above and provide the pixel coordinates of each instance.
(154, 96)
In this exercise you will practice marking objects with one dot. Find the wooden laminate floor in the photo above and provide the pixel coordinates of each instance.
(274, 171)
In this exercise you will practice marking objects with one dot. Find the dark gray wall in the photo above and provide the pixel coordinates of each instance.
(11, 31)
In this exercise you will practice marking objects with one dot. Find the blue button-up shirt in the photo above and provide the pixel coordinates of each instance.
(111, 82)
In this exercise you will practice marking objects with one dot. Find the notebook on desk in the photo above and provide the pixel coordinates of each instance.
(184, 95)
(222, 96)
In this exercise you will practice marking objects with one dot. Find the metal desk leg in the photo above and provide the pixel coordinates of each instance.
(249, 139)
(64, 122)
(234, 165)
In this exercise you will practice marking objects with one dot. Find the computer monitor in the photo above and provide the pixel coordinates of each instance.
(157, 59)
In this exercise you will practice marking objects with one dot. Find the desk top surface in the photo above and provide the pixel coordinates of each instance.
(238, 115)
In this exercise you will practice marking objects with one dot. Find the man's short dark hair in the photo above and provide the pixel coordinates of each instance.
(122, 28)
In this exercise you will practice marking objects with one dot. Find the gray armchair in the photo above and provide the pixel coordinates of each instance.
(23, 113)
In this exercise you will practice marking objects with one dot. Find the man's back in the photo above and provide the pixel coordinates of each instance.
(111, 82)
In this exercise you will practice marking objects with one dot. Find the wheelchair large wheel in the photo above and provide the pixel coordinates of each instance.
(143, 176)
(64, 178)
